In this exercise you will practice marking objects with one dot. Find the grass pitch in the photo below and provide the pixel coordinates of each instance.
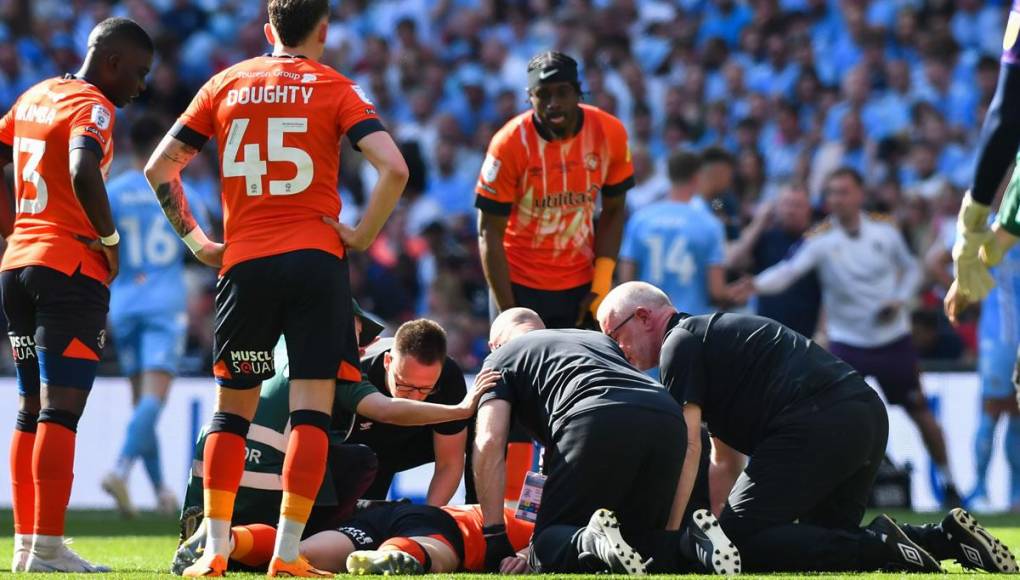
(141, 549)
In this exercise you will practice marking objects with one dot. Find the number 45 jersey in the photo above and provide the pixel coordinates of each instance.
(278, 121)
(42, 127)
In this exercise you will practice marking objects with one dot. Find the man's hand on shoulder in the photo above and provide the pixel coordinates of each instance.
(485, 381)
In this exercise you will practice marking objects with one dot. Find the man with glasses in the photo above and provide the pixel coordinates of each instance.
(815, 433)
(384, 415)
(412, 365)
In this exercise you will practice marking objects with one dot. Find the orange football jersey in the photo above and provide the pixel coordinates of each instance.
(45, 124)
(278, 121)
(549, 190)
(469, 520)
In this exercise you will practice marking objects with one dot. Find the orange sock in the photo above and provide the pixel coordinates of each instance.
(223, 466)
(23, 496)
(518, 463)
(253, 544)
(303, 469)
(408, 546)
(53, 472)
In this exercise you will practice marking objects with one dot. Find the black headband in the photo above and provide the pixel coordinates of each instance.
(553, 72)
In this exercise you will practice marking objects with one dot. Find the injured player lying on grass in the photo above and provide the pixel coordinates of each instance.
(383, 538)
(387, 538)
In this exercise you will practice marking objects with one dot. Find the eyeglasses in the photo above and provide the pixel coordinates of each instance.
(612, 333)
(406, 388)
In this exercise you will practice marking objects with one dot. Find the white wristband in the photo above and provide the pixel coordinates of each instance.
(195, 239)
(110, 240)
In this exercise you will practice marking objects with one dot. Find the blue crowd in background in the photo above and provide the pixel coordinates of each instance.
(791, 88)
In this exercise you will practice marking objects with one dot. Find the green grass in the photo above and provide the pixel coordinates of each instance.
(141, 548)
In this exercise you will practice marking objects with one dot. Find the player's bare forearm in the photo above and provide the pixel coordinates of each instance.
(443, 485)
(689, 471)
(382, 153)
(175, 206)
(408, 413)
(610, 227)
(491, 230)
(90, 189)
(163, 172)
(449, 452)
(489, 459)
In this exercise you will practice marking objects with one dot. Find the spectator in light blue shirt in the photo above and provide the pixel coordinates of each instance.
(954, 100)
(776, 76)
(783, 144)
(855, 91)
(972, 25)
(451, 189)
(724, 19)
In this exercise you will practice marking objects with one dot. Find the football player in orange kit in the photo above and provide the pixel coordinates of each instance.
(536, 195)
(60, 258)
(393, 538)
(278, 120)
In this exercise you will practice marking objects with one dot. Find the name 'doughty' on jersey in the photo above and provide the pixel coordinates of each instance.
(269, 95)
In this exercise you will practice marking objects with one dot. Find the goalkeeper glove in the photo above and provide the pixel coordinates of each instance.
(996, 247)
(972, 276)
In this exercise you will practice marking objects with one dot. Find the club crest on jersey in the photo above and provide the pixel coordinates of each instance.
(490, 169)
(251, 362)
(362, 95)
(101, 117)
(591, 161)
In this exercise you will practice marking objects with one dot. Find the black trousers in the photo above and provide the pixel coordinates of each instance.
(556, 308)
(798, 505)
(626, 459)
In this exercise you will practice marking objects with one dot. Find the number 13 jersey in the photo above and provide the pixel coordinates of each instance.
(45, 124)
(278, 121)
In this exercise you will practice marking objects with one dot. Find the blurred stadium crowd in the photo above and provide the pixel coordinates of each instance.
(792, 89)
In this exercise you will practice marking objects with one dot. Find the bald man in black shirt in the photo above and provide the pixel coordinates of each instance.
(814, 430)
(615, 439)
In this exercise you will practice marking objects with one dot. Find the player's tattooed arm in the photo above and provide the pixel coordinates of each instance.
(164, 174)
(175, 206)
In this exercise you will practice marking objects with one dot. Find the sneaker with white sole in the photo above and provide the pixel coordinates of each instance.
(976, 548)
(114, 485)
(603, 546)
(711, 546)
(64, 560)
(382, 562)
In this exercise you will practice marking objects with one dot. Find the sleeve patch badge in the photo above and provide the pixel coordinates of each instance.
(362, 95)
(101, 117)
(490, 169)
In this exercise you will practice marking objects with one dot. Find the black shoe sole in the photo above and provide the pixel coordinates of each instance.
(980, 549)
